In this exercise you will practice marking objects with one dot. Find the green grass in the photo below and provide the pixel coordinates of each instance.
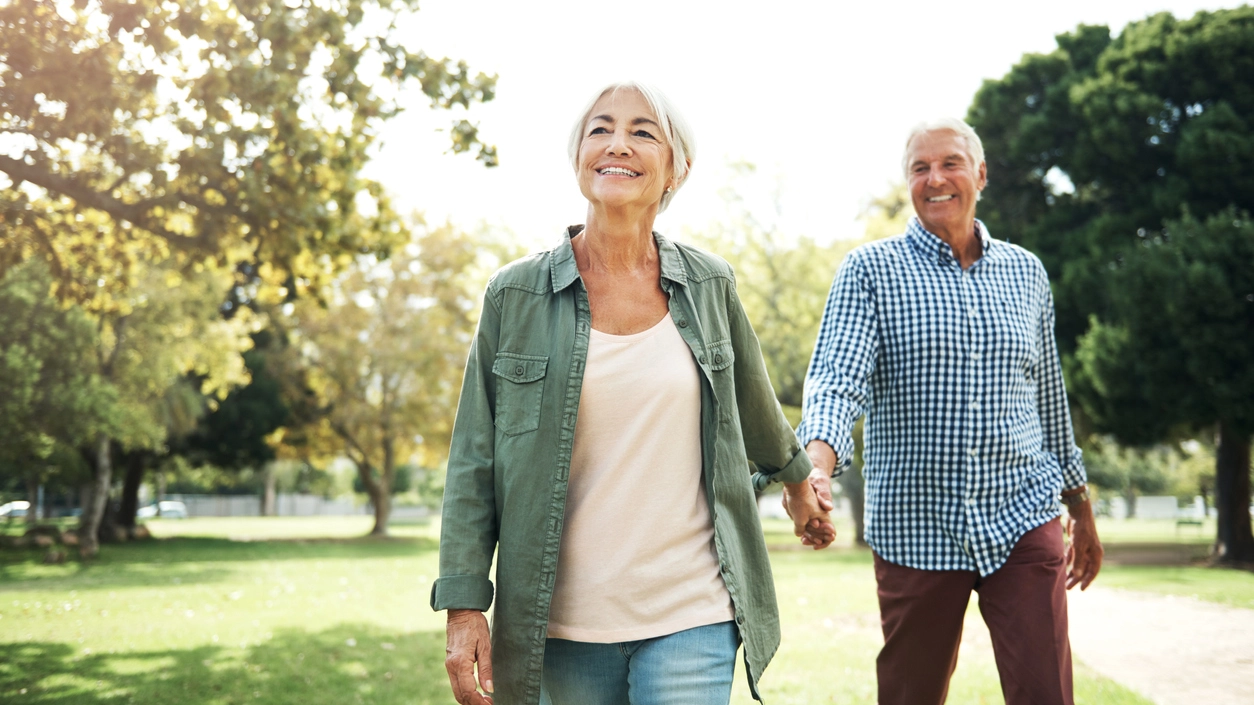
(269, 611)
(203, 619)
(259, 610)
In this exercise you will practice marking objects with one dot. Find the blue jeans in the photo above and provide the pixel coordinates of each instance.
(692, 667)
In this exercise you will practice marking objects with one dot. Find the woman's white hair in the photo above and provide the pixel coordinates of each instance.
(679, 135)
(975, 148)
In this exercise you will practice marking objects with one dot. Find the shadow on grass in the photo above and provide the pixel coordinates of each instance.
(189, 560)
(345, 664)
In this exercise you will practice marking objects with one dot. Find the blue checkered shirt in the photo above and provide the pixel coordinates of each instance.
(968, 437)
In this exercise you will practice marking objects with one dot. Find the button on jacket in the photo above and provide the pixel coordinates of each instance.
(510, 456)
(968, 435)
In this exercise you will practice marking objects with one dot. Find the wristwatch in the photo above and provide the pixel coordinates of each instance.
(1077, 498)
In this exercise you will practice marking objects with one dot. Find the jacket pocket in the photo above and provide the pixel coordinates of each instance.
(519, 391)
(720, 355)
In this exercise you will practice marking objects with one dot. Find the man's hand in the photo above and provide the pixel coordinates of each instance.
(810, 521)
(1084, 552)
(468, 644)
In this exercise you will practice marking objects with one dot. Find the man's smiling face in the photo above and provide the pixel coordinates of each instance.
(944, 183)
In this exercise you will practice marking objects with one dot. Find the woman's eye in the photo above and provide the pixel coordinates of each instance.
(599, 131)
(645, 133)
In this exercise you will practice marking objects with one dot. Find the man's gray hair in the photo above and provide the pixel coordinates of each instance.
(975, 148)
(678, 134)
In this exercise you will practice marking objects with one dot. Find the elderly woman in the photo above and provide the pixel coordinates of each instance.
(614, 395)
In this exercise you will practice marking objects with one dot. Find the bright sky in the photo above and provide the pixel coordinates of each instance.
(819, 95)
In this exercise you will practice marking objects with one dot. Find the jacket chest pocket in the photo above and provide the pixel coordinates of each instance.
(519, 391)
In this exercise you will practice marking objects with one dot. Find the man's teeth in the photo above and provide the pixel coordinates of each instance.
(619, 171)
(938, 199)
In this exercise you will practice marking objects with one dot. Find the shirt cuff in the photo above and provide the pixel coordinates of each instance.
(1073, 473)
(841, 444)
(797, 470)
(461, 592)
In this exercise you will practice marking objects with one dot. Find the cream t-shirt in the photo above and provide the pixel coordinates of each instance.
(637, 557)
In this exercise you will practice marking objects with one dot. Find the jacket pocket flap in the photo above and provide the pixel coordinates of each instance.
(520, 368)
(720, 355)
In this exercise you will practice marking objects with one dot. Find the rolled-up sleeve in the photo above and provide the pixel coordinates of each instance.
(837, 383)
(1051, 400)
(468, 532)
(769, 440)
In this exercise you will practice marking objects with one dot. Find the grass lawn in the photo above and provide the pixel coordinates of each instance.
(232, 611)
(1159, 556)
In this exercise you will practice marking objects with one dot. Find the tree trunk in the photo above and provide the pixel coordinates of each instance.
(1234, 543)
(32, 497)
(267, 491)
(380, 493)
(129, 505)
(1129, 499)
(382, 510)
(95, 496)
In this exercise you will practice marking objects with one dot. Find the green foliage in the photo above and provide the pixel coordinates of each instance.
(53, 400)
(1129, 470)
(782, 280)
(380, 358)
(205, 130)
(1182, 349)
(1095, 146)
(235, 435)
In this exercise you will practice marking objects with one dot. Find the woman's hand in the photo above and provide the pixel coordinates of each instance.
(469, 643)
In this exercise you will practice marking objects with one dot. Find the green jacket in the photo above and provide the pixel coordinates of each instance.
(510, 455)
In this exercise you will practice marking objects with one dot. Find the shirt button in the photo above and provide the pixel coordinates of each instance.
(975, 356)
(972, 452)
(683, 323)
(701, 359)
(970, 501)
(740, 619)
(718, 359)
(975, 405)
(518, 370)
(971, 312)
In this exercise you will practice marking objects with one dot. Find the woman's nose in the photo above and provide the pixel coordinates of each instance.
(618, 144)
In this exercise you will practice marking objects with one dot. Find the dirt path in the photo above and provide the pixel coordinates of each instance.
(1173, 650)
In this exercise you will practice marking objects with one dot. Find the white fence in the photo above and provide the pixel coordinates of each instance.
(288, 505)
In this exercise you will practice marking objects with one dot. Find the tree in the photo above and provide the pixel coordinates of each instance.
(53, 402)
(169, 327)
(1127, 164)
(203, 129)
(383, 355)
(227, 135)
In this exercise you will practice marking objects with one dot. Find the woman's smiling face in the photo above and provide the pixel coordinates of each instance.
(624, 159)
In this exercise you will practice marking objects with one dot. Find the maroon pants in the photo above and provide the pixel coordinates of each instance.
(1024, 604)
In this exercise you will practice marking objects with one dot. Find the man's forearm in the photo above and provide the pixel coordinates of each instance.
(822, 456)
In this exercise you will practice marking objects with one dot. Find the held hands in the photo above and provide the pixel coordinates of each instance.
(1084, 551)
(468, 644)
(809, 502)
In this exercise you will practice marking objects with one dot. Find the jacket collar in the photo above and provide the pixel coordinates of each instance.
(564, 271)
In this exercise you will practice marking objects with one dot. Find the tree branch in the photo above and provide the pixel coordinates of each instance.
(134, 213)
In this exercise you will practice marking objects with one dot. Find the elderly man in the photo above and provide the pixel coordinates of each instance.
(944, 338)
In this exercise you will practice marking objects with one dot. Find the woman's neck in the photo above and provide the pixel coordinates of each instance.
(613, 241)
